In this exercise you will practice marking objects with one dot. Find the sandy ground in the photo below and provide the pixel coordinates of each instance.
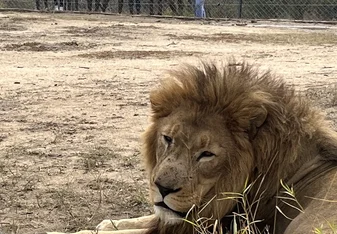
(74, 101)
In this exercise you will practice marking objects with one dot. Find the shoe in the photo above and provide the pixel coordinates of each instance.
(56, 7)
(61, 8)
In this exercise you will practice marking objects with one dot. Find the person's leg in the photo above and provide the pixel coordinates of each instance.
(37, 4)
(76, 5)
(105, 5)
(199, 8)
(203, 10)
(131, 6)
(56, 5)
(120, 6)
(138, 6)
(61, 6)
(46, 4)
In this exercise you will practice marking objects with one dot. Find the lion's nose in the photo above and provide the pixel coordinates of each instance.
(164, 191)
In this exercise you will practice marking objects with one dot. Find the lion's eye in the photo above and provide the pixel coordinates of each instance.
(167, 139)
(205, 156)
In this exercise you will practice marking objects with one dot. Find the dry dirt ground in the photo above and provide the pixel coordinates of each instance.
(74, 101)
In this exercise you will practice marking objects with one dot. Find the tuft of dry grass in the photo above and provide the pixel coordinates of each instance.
(245, 221)
(96, 158)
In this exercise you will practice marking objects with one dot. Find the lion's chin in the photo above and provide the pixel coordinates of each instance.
(167, 215)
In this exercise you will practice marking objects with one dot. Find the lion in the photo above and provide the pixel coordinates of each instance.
(219, 130)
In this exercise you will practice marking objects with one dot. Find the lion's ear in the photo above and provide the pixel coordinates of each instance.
(256, 121)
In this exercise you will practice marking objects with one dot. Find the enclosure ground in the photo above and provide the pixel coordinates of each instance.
(74, 101)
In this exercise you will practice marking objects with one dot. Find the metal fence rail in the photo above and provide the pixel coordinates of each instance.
(246, 9)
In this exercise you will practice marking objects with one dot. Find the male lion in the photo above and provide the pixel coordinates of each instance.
(222, 132)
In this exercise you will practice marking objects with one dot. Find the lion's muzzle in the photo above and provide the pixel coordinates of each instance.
(164, 191)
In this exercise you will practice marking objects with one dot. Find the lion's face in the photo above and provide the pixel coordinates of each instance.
(193, 152)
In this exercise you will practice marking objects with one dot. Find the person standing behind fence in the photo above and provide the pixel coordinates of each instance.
(200, 9)
(131, 3)
(71, 5)
(58, 5)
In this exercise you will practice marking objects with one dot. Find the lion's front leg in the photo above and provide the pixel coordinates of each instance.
(125, 224)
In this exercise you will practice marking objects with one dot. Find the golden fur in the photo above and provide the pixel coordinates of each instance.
(269, 133)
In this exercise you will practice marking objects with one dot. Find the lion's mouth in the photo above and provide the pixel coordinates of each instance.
(162, 204)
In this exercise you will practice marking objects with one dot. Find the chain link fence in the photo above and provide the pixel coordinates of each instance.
(322, 10)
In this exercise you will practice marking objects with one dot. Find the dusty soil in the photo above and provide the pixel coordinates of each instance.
(74, 101)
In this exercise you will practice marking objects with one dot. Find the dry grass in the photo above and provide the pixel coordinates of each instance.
(136, 54)
(96, 158)
(42, 47)
(270, 38)
(67, 204)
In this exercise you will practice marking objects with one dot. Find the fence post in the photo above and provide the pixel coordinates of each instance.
(240, 9)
